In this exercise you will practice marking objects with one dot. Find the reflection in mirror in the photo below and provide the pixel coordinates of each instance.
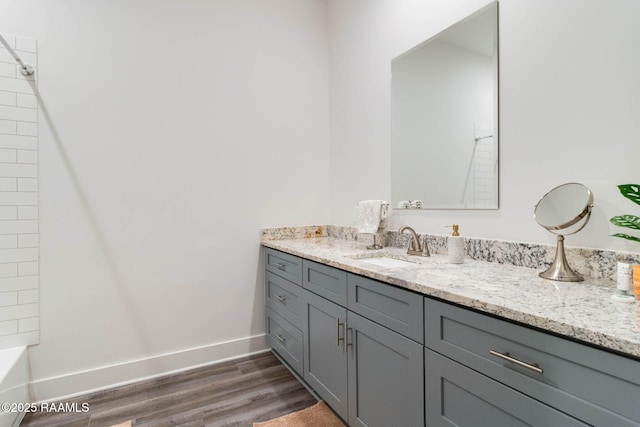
(564, 210)
(444, 121)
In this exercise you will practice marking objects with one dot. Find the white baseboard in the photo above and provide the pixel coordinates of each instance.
(92, 380)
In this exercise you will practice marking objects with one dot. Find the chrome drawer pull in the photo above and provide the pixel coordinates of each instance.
(281, 298)
(280, 266)
(280, 338)
(534, 367)
(338, 339)
(346, 343)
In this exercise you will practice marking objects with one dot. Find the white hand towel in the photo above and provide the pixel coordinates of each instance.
(369, 214)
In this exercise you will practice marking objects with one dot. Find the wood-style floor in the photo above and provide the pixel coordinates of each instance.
(235, 393)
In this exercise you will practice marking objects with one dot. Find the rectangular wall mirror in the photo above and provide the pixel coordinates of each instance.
(444, 118)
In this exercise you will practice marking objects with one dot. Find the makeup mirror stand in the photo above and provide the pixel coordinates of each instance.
(566, 207)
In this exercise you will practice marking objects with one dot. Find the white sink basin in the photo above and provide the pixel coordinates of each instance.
(398, 258)
(383, 261)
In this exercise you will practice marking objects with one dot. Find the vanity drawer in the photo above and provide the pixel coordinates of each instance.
(593, 385)
(397, 309)
(283, 297)
(285, 339)
(283, 265)
(328, 282)
(457, 395)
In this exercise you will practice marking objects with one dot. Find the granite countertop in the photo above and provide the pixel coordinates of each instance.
(579, 310)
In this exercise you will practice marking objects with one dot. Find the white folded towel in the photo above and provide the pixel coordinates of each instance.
(369, 215)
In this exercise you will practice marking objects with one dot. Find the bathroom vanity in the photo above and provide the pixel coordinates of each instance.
(424, 342)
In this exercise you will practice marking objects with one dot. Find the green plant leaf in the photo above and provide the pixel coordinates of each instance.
(631, 192)
(627, 221)
(626, 236)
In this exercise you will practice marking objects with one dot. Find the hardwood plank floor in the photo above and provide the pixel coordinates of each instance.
(230, 394)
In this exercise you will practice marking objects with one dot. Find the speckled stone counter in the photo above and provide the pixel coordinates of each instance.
(582, 310)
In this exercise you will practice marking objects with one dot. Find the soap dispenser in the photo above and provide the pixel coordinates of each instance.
(455, 246)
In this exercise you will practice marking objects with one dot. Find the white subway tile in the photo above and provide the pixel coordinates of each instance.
(17, 340)
(18, 255)
(27, 156)
(28, 297)
(5, 56)
(27, 129)
(27, 212)
(20, 114)
(28, 268)
(19, 283)
(18, 227)
(28, 324)
(30, 58)
(8, 155)
(8, 298)
(7, 69)
(9, 312)
(19, 141)
(9, 98)
(28, 310)
(16, 85)
(10, 198)
(9, 127)
(8, 212)
(27, 184)
(9, 270)
(26, 101)
(19, 239)
(9, 241)
(26, 45)
(18, 170)
(9, 327)
(28, 241)
(9, 184)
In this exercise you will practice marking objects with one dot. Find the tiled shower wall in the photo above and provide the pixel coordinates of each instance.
(485, 173)
(19, 238)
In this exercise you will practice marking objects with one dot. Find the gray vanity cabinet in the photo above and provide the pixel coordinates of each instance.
(587, 384)
(459, 396)
(384, 356)
(385, 373)
(328, 282)
(284, 265)
(285, 339)
(284, 307)
(369, 374)
(325, 351)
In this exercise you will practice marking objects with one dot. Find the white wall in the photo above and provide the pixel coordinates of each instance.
(171, 131)
(568, 107)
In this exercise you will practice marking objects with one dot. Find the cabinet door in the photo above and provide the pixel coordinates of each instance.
(458, 396)
(325, 366)
(386, 377)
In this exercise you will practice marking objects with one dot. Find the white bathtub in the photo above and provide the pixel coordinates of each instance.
(14, 385)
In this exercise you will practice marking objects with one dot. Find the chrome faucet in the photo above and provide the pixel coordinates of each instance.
(415, 248)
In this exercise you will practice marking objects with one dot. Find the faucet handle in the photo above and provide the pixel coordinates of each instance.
(425, 248)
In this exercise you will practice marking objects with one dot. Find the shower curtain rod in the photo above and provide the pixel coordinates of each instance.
(25, 69)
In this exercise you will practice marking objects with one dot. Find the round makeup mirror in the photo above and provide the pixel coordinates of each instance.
(563, 211)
